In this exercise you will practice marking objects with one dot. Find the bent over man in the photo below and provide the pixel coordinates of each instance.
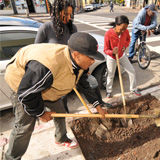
(39, 75)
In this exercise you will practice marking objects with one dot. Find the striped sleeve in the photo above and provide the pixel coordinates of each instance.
(36, 79)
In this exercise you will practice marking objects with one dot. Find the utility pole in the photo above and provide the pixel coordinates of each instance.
(14, 7)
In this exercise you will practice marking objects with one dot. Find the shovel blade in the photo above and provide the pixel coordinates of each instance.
(157, 122)
(124, 122)
(102, 132)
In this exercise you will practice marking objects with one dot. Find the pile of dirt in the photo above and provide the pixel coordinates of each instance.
(139, 141)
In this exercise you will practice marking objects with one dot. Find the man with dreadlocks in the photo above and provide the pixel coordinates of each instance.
(59, 31)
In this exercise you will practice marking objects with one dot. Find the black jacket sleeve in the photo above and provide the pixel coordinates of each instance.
(36, 79)
(88, 92)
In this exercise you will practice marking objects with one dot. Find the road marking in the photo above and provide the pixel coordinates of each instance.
(155, 49)
(97, 21)
(152, 39)
(77, 23)
(92, 25)
(103, 24)
(91, 30)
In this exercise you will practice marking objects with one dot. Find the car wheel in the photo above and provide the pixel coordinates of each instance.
(100, 74)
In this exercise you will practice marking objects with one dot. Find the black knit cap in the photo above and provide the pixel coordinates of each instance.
(85, 44)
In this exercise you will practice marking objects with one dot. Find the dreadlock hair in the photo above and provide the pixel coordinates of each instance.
(119, 20)
(57, 8)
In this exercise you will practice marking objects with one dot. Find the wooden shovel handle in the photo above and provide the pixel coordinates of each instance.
(100, 116)
(82, 100)
(121, 83)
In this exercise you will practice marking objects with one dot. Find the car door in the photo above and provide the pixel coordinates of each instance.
(10, 42)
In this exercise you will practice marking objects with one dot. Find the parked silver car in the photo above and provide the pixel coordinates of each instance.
(88, 7)
(21, 33)
(15, 33)
(98, 69)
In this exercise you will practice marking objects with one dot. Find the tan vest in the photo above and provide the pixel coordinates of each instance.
(55, 57)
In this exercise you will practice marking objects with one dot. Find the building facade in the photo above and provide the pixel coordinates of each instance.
(31, 6)
(41, 6)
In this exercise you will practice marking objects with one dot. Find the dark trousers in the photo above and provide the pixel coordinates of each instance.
(111, 9)
(24, 126)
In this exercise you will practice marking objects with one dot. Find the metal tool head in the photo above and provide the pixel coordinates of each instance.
(157, 122)
(157, 116)
(124, 122)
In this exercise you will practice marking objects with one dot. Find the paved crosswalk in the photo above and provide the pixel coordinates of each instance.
(97, 21)
(102, 23)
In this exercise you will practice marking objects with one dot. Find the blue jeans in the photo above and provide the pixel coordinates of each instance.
(133, 41)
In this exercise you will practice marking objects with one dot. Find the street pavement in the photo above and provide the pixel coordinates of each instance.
(42, 146)
(98, 21)
(100, 25)
(40, 16)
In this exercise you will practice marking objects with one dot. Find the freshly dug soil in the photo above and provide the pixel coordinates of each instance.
(139, 141)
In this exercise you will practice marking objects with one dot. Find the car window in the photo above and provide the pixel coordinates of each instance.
(12, 41)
